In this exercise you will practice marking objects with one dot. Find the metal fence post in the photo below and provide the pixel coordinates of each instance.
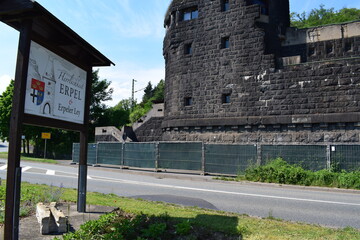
(157, 156)
(122, 155)
(96, 155)
(328, 157)
(259, 154)
(202, 158)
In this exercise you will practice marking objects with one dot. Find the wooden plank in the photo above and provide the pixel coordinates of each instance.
(52, 123)
(12, 204)
(82, 177)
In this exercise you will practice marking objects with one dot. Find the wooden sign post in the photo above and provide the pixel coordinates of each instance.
(52, 89)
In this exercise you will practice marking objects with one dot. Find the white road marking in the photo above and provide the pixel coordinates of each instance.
(88, 177)
(3, 167)
(226, 192)
(50, 172)
(24, 169)
(209, 190)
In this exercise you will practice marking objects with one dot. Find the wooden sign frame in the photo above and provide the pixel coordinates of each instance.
(36, 24)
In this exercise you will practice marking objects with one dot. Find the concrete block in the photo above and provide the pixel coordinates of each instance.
(51, 220)
(43, 216)
(59, 219)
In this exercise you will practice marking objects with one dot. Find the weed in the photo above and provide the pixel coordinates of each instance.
(154, 231)
(183, 228)
(279, 171)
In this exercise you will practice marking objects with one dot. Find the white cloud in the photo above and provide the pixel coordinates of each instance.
(131, 20)
(4, 82)
(121, 77)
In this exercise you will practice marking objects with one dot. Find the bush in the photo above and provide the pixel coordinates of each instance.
(279, 171)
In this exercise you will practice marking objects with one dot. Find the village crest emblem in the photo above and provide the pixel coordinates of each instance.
(38, 91)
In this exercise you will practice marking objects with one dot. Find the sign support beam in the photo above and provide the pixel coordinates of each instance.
(82, 177)
(13, 180)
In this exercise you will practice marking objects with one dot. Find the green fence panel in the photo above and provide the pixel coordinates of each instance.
(109, 153)
(311, 157)
(91, 158)
(76, 152)
(229, 159)
(140, 155)
(186, 156)
(345, 157)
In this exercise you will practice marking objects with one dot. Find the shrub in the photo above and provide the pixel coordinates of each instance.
(279, 171)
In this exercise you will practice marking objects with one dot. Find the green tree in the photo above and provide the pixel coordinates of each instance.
(159, 92)
(148, 92)
(30, 132)
(5, 111)
(156, 96)
(100, 93)
(117, 116)
(322, 16)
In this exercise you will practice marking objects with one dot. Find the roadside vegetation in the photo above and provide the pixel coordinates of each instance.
(279, 171)
(322, 16)
(4, 155)
(151, 95)
(140, 219)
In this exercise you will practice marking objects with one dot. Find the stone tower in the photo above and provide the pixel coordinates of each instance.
(237, 72)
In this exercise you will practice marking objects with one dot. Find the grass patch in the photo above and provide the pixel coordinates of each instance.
(217, 221)
(279, 171)
(31, 194)
(26, 158)
(187, 222)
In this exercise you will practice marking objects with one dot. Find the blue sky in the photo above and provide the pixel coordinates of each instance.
(128, 32)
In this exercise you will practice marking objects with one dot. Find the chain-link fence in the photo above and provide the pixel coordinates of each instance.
(91, 153)
(228, 159)
(345, 157)
(109, 153)
(310, 157)
(175, 155)
(141, 155)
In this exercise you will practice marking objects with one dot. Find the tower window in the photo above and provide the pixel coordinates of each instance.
(190, 13)
(188, 49)
(311, 51)
(225, 42)
(188, 101)
(226, 98)
(348, 46)
(264, 5)
(329, 48)
(225, 5)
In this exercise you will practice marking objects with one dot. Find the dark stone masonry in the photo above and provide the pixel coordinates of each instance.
(237, 73)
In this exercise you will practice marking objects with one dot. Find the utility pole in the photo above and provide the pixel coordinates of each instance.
(132, 94)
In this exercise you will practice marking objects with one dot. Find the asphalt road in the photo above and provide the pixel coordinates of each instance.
(4, 146)
(332, 208)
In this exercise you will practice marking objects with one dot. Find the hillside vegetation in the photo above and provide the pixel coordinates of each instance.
(322, 16)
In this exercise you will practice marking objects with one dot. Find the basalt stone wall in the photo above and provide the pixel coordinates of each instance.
(150, 131)
(240, 93)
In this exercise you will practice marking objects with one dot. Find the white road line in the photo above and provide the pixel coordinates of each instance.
(88, 177)
(3, 167)
(24, 169)
(214, 191)
(50, 172)
(226, 192)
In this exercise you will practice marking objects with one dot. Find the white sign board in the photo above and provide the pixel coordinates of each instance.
(55, 87)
